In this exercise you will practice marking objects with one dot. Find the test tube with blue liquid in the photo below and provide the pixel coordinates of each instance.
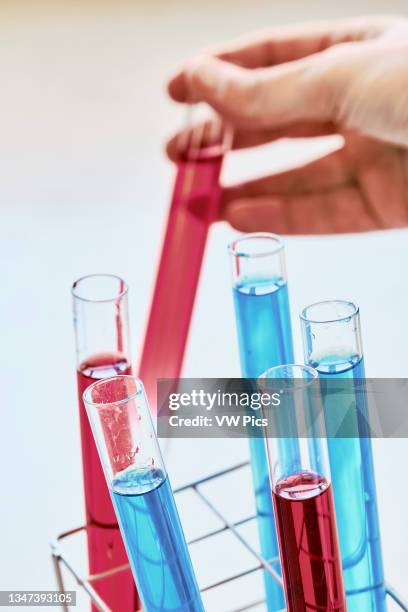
(265, 340)
(142, 497)
(332, 345)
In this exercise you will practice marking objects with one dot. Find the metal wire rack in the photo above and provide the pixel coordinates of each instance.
(60, 559)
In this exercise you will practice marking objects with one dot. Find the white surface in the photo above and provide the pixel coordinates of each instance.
(84, 187)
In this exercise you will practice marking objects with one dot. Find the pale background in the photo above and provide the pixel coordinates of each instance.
(84, 187)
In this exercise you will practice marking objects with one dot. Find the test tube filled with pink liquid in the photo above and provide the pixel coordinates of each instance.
(194, 206)
(302, 493)
(102, 346)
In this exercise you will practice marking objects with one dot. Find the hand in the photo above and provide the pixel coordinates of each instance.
(348, 78)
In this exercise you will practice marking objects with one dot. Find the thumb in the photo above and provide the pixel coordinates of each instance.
(263, 97)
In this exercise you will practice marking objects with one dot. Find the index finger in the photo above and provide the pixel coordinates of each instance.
(286, 44)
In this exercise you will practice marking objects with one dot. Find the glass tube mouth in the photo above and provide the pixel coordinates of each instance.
(99, 288)
(303, 375)
(256, 244)
(113, 391)
(329, 311)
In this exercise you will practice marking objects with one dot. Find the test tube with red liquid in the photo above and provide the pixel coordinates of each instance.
(102, 346)
(194, 206)
(302, 494)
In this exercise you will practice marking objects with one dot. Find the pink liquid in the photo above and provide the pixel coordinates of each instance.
(194, 207)
(309, 549)
(105, 545)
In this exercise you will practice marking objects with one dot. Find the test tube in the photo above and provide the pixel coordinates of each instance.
(100, 303)
(302, 494)
(332, 344)
(139, 486)
(194, 206)
(265, 340)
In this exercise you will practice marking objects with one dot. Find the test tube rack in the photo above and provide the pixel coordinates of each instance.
(61, 560)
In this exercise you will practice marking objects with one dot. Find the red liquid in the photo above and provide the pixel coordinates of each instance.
(105, 545)
(193, 208)
(309, 549)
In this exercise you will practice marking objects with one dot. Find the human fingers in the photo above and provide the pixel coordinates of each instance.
(262, 98)
(326, 173)
(207, 133)
(360, 187)
(285, 44)
(337, 211)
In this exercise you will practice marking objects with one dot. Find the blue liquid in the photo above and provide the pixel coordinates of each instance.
(265, 341)
(352, 472)
(154, 541)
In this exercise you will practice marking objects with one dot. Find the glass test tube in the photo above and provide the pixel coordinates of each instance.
(102, 345)
(124, 434)
(302, 493)
(194, 206)
(265, 340)
(332, 345)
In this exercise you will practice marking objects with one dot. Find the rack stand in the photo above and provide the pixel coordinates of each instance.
(60, 559)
